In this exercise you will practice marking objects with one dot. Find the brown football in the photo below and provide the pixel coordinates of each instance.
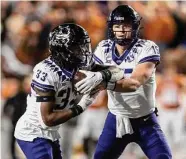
(79, 76)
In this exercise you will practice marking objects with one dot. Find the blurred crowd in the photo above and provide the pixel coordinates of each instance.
(25, 26)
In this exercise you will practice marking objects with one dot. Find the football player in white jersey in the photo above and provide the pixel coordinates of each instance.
(51, 101)
(52, 97)
(131, 101)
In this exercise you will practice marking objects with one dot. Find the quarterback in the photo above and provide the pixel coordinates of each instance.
(52, 98)
(131, 100)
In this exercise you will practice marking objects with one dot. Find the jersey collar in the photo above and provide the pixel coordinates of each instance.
(119, 59)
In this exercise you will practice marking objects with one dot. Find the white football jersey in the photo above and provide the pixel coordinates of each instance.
(46, 76)
(130, 104)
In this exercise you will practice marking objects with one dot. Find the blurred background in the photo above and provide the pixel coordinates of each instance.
(24, 30)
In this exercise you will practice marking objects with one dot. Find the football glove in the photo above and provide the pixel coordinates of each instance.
(92, 80)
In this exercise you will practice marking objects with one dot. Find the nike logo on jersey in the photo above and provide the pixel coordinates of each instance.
(145, 119)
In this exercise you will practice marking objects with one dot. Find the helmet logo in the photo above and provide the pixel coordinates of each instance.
(63, 35)
(118, 18)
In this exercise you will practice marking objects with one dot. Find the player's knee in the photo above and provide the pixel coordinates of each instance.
(164, 156)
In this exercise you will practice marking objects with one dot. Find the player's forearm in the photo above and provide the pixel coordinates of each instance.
(138, 78)
(127, 85)
(57, 117)
(61, 116)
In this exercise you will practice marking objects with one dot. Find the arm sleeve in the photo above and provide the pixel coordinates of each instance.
(151, 54)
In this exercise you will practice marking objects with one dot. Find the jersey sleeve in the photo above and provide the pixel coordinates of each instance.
(150, 54)
(98, 55)
(43, 79)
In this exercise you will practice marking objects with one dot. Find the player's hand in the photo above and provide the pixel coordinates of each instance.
(92, 80)
(86, 100)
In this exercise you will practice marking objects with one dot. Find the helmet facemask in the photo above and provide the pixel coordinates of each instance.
(80, 54)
